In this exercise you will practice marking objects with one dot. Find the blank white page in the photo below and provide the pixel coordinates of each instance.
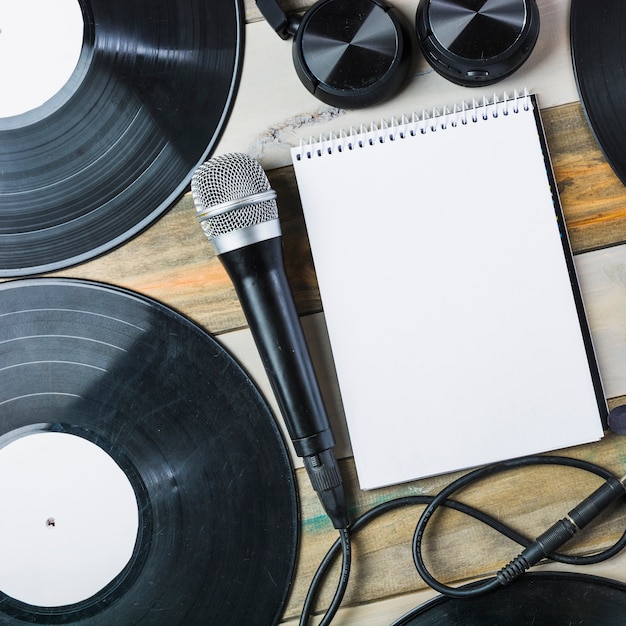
(449, 306)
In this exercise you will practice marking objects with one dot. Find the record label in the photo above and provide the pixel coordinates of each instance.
(73, 520)
(40, 45)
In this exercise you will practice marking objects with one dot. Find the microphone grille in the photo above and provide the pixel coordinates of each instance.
(223, 190)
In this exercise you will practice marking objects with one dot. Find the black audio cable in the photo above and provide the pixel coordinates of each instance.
(344, 544)
(545, 546)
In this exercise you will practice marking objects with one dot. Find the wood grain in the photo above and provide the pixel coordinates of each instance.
(173, 262)
(289, 6)
(592, 196)
(458, 549)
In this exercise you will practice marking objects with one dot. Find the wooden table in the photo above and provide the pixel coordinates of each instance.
(173, 262)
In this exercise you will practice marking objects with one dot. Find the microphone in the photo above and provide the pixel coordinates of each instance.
(237, 210)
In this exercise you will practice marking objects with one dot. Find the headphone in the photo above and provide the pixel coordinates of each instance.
(347, 53)
(355, 53)
(476, 42)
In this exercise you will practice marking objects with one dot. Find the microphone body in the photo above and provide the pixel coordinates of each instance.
(261, 285)
(253, 258)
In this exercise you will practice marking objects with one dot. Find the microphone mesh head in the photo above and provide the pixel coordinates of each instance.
(231, 178)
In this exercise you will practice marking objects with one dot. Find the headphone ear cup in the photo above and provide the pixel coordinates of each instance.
(476, 43)
(352, 53)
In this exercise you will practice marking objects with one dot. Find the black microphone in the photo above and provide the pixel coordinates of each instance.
(237, 210)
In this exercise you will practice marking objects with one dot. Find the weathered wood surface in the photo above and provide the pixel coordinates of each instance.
(593, 198)
(458, 549)
(172, 262)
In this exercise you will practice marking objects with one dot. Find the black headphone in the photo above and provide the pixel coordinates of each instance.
(347, 53)
(476, 42)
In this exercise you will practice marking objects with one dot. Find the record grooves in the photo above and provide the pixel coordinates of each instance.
(115, 148)
(550, 598)
(598, 33)
(216, 494)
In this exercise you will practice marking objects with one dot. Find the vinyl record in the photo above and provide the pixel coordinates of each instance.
(598, 36)
(543, 598)
(116, 145)
(215, 499)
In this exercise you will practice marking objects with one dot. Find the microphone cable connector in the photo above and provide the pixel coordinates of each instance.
(325, 476)
(563, 530)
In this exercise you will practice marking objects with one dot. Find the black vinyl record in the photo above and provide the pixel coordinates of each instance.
(215, 490)
(117, 145)
(541, 599)
(598, 36)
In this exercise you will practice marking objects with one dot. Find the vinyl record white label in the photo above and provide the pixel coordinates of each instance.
(68, 520)
(40, 44)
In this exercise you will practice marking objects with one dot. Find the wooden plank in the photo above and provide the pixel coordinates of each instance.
(457, 549)
(181, 269)
(172, 262)
(392, 608)
(593, 198)
(602, 276)
(253, 14)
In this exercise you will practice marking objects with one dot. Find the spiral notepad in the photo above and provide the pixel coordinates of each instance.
(449, 291)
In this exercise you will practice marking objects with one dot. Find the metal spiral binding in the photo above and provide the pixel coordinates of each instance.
(413, 125)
